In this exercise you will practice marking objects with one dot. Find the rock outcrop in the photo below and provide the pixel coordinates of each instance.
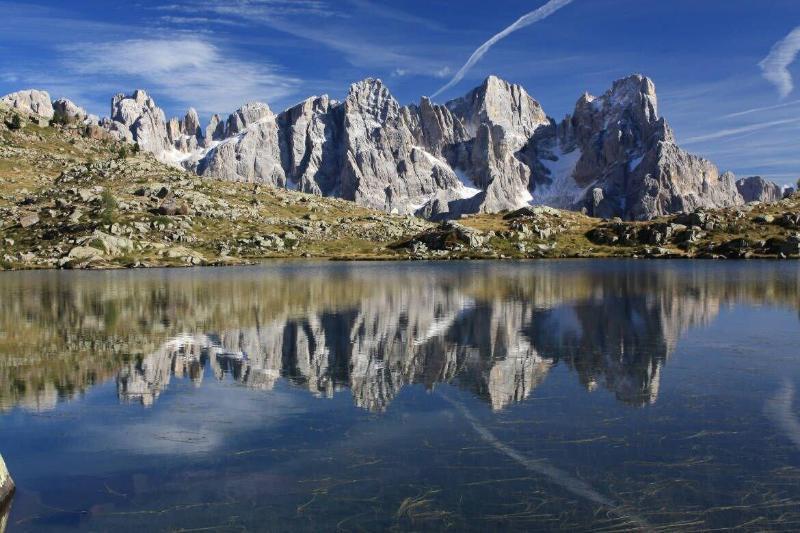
(68, 112)
(30, 101)
(758, 189)
(136, 118)
(250, 151)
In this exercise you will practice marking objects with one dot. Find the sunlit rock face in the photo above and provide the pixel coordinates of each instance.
(491, 150)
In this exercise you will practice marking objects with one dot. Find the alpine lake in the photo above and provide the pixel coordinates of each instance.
(603, 395)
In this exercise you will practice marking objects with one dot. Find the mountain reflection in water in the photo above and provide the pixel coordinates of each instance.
(491, 328)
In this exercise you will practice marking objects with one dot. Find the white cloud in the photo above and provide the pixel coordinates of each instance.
(526, 20)
(775, 67)
(189, 70)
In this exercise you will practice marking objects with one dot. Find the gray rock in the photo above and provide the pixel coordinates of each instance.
(758, 189)
(492, 150)
(136, 118)
(84, 252)
(6, 483)
(172, 206)
(29, 220)
(253, 154)
(31, 101)
(67, 111)
(618, 143)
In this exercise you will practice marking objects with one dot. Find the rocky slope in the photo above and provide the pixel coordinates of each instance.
(67, 200)
(492, 150)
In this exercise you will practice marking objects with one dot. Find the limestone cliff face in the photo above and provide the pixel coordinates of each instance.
(494, 149)
(136, 118)
(758, 189)
(250, 151)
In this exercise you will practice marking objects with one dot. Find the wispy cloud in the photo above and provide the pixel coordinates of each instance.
(775, 67)
(190, 70)
(386, 12)
(526, 20)
(336, 26)
(721, 134)
(256, 7)
(760, 109)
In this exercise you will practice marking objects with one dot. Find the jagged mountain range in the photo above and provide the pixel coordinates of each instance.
(494, 149)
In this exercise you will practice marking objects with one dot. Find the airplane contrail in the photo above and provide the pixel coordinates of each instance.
(525, 20)
(559, 477)
(774, 67)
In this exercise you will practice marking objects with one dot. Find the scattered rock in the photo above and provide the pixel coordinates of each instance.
(29, 220)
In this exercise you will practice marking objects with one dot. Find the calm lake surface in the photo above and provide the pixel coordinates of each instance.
(605, 395)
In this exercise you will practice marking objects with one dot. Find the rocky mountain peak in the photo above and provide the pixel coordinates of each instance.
(143, 120)
(498, 102)
(128, 108)
(630, 103)
(371, 99)
(191, 124)
(246, 115)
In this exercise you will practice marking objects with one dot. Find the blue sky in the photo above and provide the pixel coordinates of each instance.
(214, 55)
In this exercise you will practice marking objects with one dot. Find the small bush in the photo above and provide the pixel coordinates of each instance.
(15, 123)
(58, 120)
(109, 205)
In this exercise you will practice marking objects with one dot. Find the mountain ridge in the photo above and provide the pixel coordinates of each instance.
(492, 150)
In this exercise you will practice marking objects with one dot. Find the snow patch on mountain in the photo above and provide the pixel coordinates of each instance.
(468, 188)
(562, 191)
